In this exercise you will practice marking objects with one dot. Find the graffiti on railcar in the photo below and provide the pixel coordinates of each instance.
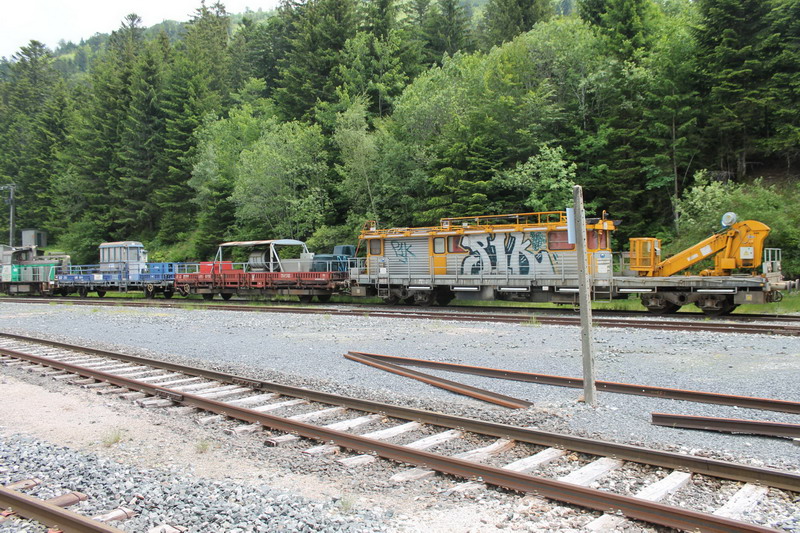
(402, 250)
(519, 253)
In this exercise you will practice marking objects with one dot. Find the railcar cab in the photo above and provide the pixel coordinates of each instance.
(24, 270)
(514, 256)
(128, 258)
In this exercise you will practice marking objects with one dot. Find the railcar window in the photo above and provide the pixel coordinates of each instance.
(375, 247)
(438, 245)
(596, 239)
(557, 240)
(591, 239)
(454, 245)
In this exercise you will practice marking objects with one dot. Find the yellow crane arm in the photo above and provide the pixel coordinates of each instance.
(739, 246)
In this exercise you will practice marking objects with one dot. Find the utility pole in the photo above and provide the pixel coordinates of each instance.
(10, 188)
(585, 297)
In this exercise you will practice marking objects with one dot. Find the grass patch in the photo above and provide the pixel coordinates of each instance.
(112, 438)
(346, 503)
(202, 446)
(532, 322)
(789, 304)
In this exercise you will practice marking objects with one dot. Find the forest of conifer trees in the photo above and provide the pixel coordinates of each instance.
(306, 121)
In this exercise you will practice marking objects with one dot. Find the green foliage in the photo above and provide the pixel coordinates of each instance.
(141, 144)
(703, 205)
(32, 130)
(505, 19)
(628, 26)
(545, 181)
(358, 152)
(326, 237)
(215, 170)
(735, 75)
(373, 66)
(307, 72)
(380, 110)
(282, 188)
(780, 48)
(446, 30)
(81, 239)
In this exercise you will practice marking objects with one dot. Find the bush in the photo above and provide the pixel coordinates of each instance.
(701, 208)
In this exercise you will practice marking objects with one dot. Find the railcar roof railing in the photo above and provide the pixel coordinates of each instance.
(543, 217)
(548, 220)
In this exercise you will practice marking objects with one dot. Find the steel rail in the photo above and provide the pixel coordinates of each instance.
(638, 454)
(629, 506)
(727, 425)
(667, 325)
(51, 515)
(139, 301)
(452, 386)
(769, 404)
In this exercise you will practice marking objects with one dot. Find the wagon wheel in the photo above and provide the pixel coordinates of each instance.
(725, 307)
(424, 299)
(305, 298)
(444, 297)
(660, 306)
(324, 298)
(168, 293)
(149, 291)
(208, 296)
(83, 292)
(226, 296)
(100, 294)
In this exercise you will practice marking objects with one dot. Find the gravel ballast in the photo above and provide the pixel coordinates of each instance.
(306, 350)
(177, 497)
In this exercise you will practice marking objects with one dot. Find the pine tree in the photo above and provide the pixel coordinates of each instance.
(306, 73)
(187, 99)
(28, 95)
(267, 44)
(380, 17)
(141, 143)
(734, 78)
(48, 144)
(628, 26)
(592, 11)
(781, 50)
(206, 43)
(505, 19)
(95, 148)
(446, 30)
(197, 86)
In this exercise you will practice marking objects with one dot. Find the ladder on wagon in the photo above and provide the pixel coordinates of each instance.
(382, 284)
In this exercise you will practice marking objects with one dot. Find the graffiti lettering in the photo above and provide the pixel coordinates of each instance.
(518, 255)
(402, 250)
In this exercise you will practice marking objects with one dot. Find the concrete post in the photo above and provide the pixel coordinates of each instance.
(585, 296)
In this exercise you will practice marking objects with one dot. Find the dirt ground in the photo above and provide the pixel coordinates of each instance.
(82, 420)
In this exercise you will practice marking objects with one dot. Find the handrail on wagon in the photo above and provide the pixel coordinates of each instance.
(544, 217)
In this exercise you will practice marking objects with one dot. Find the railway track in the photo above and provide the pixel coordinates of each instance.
(556, 466)
(527, 309)
(53, 512)
(790, 327)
